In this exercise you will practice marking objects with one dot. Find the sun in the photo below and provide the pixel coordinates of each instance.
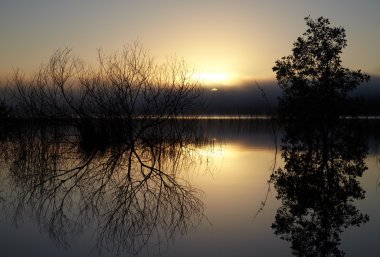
(213, 78)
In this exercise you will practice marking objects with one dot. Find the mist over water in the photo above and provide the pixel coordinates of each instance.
(248, 99)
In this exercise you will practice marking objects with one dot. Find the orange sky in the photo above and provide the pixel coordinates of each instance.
(227, 41)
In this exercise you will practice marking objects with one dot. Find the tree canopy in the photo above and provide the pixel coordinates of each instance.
(312, 77)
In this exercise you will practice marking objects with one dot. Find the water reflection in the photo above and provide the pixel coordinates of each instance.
(318, 184)
(130, 191)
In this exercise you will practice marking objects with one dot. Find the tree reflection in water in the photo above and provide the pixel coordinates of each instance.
(323, 154)
(318, 184)
(130, 188)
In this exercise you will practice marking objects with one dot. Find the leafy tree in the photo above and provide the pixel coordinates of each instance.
(313, 78)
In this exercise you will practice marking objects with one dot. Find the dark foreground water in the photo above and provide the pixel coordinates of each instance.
(236, 188)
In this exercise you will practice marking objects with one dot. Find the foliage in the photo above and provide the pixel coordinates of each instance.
(312, 77)
(323, 155)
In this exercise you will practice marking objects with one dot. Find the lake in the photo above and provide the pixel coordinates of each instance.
(240, 187)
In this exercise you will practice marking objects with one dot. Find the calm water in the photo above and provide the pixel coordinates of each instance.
(224, 192)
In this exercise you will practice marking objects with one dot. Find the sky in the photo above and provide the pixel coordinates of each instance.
(228, 42)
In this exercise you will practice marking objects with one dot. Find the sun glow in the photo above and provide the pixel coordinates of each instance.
(213, 78)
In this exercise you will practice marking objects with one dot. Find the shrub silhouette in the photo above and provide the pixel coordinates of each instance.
(124, 85)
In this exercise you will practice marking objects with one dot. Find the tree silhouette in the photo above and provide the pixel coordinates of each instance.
(323, 154)
(312, 77)
(5, 109)
(125, 85)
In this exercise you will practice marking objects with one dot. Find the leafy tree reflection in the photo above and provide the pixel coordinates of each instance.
(133, 194)
(318, 186)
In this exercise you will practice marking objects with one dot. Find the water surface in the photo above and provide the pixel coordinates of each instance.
(212, 193)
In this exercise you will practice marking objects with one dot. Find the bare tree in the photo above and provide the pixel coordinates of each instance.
(125, 85)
